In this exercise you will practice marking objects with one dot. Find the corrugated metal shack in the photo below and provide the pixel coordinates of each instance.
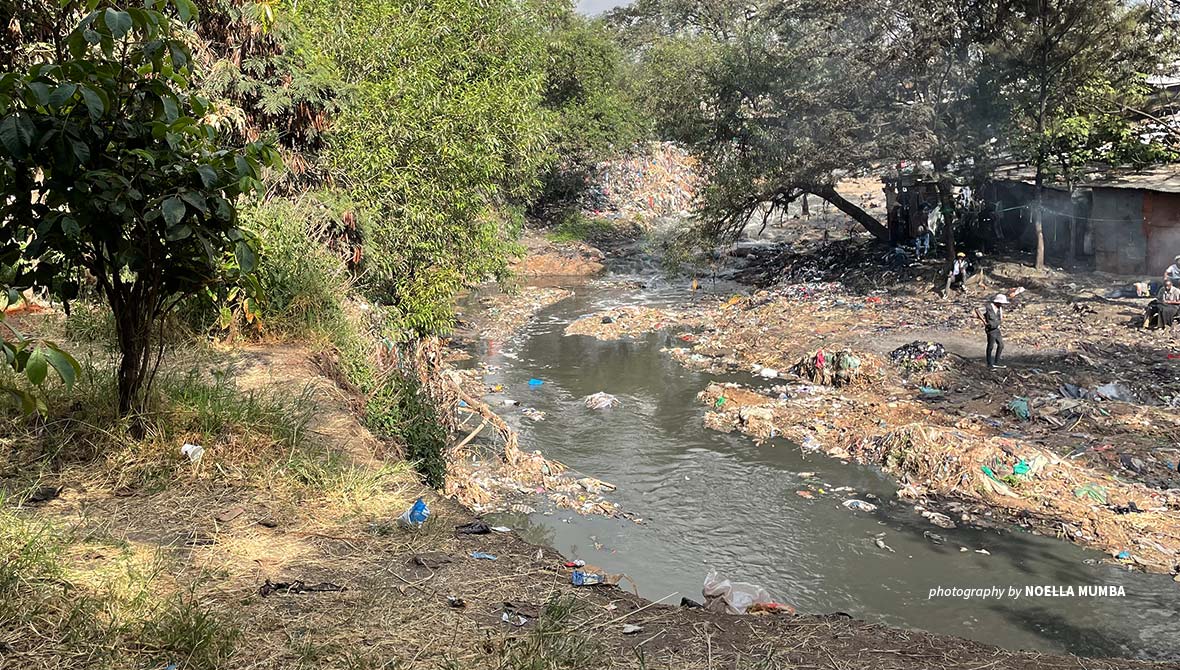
(1119, 221)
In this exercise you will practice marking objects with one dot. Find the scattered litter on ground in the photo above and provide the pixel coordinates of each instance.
(482, 556)
(920, 356)
(298, 586)
(473, 528)
(193, 452)
(456, 602)
(414, 517)
(660, 180)
(726, 597)
(631, 629)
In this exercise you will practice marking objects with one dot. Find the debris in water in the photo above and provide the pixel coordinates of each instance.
(860, 505)
(602, 401)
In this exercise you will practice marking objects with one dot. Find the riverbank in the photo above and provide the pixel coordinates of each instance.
(1038, 444)
(282, 553)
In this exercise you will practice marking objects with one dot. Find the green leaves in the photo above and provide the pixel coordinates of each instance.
(96, 103)
(118, 22)
(37, 367)
(33, 360)
(247, 259)
(105, 171)
(16, 133)
(174, 210)
(187, 10)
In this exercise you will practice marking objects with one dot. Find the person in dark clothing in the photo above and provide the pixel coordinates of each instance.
(992, 317)
(1165, 307)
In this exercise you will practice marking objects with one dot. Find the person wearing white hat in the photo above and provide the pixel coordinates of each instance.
(992, 317)
(1173, 271)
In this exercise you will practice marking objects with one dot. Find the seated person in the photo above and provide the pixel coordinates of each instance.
(1165, 306)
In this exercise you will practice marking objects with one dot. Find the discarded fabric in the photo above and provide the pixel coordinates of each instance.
(473, 528)
(1019, 407)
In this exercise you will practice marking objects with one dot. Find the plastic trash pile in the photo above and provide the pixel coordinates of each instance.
(726, 597)
(918, 355)
(661, 181)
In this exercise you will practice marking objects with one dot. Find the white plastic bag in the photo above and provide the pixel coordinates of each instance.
(726, 597)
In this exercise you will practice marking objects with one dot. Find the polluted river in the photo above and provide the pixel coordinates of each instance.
(715, 501)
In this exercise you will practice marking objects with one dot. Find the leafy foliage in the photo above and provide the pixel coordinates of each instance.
(108, 174)
(589, 93)
(784, 97)
(440, 133)
(32, 359)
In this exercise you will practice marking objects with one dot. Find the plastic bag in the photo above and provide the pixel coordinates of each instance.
(726, 597)
(415, 516)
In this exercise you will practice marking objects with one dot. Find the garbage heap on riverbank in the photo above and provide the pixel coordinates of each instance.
(661, 180)
(965, 462)
(495, 474)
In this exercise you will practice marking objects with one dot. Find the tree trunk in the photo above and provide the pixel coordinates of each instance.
(1038, 219)
(134, 332)
(945, 199)
(870, 223)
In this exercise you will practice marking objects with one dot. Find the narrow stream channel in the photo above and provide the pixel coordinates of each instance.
(710, 500)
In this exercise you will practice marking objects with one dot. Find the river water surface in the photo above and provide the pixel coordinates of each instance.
(711, 500)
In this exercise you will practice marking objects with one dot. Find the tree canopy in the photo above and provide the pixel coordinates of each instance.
(108, 175)
(785, 97)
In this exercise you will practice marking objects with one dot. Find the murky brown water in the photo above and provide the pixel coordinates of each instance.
(711, 500)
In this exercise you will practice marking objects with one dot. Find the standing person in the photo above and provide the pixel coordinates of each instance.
(922, 241)
(957, 275)
(992, 317)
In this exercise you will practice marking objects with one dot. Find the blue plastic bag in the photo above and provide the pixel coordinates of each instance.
(535, 382)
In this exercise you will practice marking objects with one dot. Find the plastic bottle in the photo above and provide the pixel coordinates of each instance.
(579, 578)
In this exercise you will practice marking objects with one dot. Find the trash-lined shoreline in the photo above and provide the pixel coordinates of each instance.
(1052, 444)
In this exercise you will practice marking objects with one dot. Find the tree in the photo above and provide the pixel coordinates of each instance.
(440, 139)
(588, 94)
(778, 98)
(108, 175)
(1050, 58)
